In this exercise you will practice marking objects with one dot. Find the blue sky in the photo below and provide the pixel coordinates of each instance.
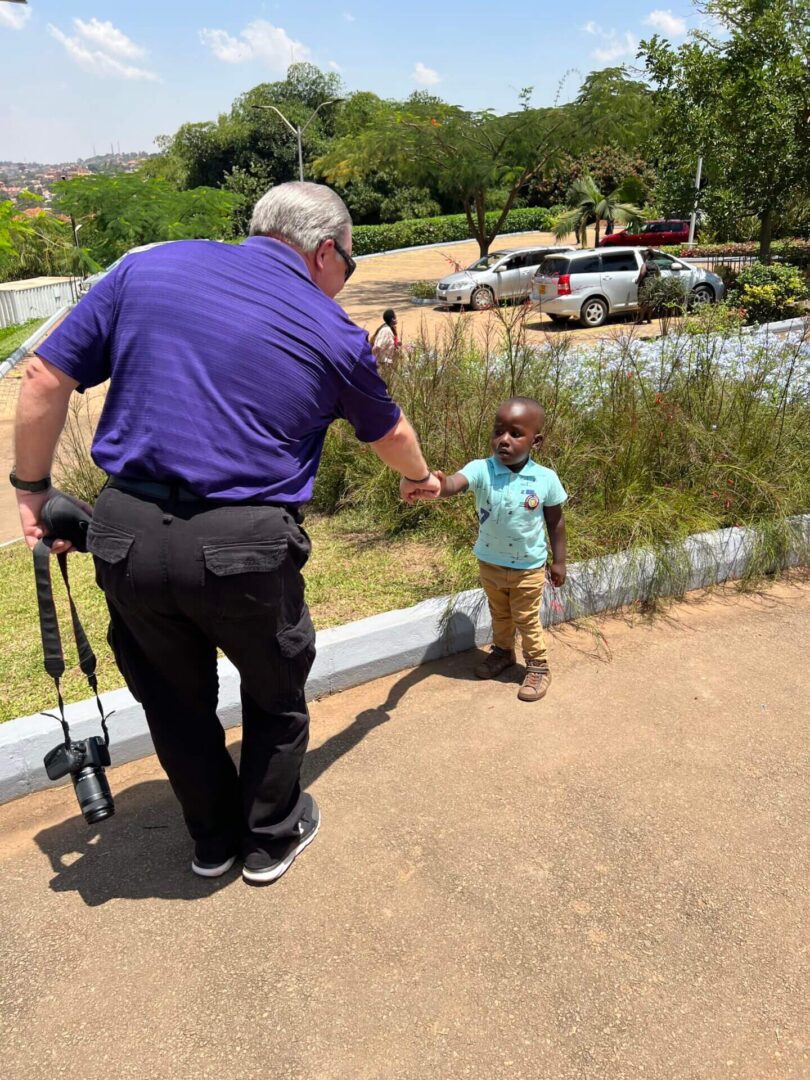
(81, 75)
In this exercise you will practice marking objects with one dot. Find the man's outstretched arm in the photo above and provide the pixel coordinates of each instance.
(400, 451)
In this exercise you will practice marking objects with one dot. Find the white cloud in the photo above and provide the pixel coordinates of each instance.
(335, 66)
(260, 40)
(14, 17)
(666, 22)
(347, 15)
(616, 47)
(97, 62)
(109, 38)
(425, 76)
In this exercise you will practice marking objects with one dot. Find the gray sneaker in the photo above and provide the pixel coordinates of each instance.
(263, 867)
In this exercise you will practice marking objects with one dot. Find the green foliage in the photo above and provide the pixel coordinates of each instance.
(371, 239)
(422, 290)
(466, 156)
(121, 212)
(769, 293)
(38, 244)
(740, 100)
(614, 110)
(11, 337)
(723, 318)
(589, 206)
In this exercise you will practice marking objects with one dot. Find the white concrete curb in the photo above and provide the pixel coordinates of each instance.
(26, 347)
(361, 651)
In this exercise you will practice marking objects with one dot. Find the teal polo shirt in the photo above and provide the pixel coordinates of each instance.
(511, 526)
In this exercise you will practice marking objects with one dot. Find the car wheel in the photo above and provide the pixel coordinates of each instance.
(482, 298)
(702, 294)
(558, 318)
(594, 312)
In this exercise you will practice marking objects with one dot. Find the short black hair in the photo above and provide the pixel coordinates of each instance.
(528, 402)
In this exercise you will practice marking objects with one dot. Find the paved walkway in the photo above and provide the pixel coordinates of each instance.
(611, 884)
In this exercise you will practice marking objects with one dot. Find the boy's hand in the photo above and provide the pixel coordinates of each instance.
(427, 489)
(557, 574)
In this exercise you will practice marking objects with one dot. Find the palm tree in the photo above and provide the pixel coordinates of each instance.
(589, 205)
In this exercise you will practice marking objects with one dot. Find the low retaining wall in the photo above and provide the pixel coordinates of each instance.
(360, 651)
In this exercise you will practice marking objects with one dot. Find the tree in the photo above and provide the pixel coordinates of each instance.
(616, 110)
(466, 156)
(741, 101)
(121, 212)
(589, 206)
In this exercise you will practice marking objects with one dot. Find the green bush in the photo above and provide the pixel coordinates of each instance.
(721, 318)
(372, 239)
(769, 293)
(422, 290)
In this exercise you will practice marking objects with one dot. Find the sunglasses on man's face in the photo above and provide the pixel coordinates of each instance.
(351, 265)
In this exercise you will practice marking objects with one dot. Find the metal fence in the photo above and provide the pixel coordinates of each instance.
(21, 301)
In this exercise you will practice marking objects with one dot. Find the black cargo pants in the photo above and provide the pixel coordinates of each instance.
(182, 579)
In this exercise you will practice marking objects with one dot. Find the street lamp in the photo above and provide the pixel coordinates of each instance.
(297, 130)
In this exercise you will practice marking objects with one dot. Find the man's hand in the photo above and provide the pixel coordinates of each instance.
(557, 574)
(30, 507)
(430, 488)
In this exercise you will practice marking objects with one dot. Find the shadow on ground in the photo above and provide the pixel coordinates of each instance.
(143, 852)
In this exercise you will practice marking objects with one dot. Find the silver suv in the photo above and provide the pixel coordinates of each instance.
(501, 275)
(590, 285)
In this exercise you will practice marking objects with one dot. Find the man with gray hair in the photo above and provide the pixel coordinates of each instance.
(227, 364)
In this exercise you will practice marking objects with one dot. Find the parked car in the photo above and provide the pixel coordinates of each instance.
(501, 275)
(591, 285)
(653, 234)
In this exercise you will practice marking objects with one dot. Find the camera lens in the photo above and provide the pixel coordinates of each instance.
(93, 793)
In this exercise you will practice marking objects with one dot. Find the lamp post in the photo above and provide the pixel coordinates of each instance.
(296, 129)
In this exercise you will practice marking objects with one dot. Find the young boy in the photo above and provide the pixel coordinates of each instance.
(517, 500)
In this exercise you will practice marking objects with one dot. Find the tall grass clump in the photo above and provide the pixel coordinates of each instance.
(654, 440)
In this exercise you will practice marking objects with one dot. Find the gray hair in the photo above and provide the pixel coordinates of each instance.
(301, 213)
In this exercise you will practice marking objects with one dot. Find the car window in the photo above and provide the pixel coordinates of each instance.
(665, 262)
(616, 261)
(589, 264)
(554, 264)
(487, 261)
(514, 263)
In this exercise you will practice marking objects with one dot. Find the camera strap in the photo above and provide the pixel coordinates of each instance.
(51, 638)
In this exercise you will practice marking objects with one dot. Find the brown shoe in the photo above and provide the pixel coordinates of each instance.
(535, 682)
(496, 661)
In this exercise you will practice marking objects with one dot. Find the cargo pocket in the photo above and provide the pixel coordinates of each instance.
(297, 645)
(243, 579)
(110, 548)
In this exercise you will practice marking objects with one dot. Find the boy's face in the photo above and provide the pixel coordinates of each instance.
(517, 431)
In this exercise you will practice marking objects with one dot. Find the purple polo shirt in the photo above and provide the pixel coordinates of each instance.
(226, 365)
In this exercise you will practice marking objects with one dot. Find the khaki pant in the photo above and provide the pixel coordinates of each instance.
(514, 602)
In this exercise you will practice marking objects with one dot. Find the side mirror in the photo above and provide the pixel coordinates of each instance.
(498, 269)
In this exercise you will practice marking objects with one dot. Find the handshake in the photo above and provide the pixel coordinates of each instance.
(431, 487)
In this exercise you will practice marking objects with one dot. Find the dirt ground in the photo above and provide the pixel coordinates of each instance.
(609, 885)
(379, 283)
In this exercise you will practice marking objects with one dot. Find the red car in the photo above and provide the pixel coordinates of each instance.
(654, 234)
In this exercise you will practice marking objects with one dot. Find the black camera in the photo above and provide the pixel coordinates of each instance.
(85, 761)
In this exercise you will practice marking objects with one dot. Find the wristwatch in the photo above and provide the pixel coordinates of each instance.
(28, 485)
